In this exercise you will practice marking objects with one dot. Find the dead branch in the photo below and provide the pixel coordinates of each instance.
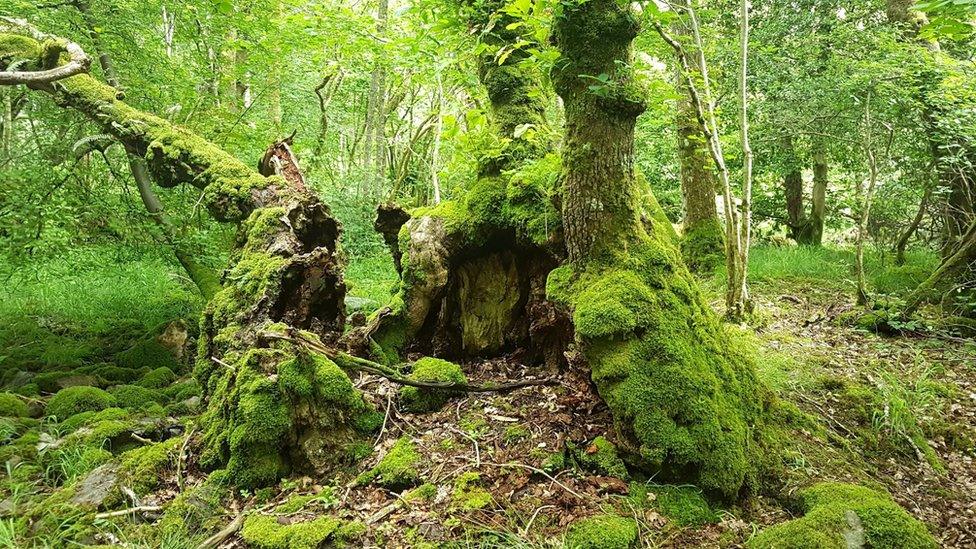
(79, 61)
(351, 362)
(130, 511)
(228, 531)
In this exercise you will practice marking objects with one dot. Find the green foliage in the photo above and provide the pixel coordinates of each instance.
(418, 399)
(74, 400)
(836, 513)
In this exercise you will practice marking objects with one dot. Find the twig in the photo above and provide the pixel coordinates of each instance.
(228, 531)
(538, 471)
(181, 457)
(130, 511)
(477, 450)
(386, 418)
(528, 525)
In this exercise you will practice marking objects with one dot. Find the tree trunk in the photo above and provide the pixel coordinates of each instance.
(813, 232)
(474, 268)
(912, 227)
(702, 243)
(954, 267)
(685, 404)
(272, 408)
(374, 149)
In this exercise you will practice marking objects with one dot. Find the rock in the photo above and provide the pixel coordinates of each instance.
(97, 486)
(193, 403)
(174, 338)
(77, 381)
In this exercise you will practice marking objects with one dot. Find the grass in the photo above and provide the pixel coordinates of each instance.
(372, 277)
(831, 267)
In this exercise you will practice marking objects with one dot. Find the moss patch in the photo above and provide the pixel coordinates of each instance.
(602, 458)
(266, 532)
(469, 494)
(397, 469)
(12, 406)
(841, 515)
(73, 400)
(602, 532)
(418, 399)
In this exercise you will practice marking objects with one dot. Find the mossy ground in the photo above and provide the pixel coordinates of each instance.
(839, 376)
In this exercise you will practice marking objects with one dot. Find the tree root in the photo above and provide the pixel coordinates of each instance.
(350, 362)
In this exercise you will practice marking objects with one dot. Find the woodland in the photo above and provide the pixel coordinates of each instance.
(587, 274)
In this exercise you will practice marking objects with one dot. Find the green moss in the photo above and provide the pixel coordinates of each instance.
(839, 515)
(12, 406)
(703, 246)
(602, 532)
(602, 458)
(418, 399)
(158, 378)
(516, 434)
(195, 512)
(149, 354)
(142, 469)
(397, 469)
(299, 502)
(424, 492)
(310, 399)
(115, 375)
(74, 400)
(683, 505)
(134, 397)
(468, 493)
(89, 418)
(47, 382)
(683, 391)
(265, 532)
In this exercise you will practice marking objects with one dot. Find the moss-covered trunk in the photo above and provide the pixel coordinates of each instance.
(702, 243)
(685, 397)
(473, 268)
(271, 409)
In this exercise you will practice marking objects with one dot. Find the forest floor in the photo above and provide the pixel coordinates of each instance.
(517, 469)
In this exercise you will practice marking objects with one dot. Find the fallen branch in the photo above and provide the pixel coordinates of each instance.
(351, 362)
(78, 63)
(228, 531)
(130, 511)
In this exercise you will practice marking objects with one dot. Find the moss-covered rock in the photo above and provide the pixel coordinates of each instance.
(142, 469)
(845, 515)
(74, 400)
(265, 532)
(602, 532)
(135, 397)
(158, 378)
(117, 375)
(13, 406)
(418, 399)
(397, 469)
(683, 505)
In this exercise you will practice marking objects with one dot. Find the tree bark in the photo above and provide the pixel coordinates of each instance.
(912, 227)
(702, 243)
(683, 405)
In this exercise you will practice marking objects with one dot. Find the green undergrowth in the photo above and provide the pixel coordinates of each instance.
(838, 516)
(831, 267)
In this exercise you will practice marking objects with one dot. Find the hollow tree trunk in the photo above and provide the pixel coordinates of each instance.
(686, 402)
(271, 408)
(473, 269)
(702, 243)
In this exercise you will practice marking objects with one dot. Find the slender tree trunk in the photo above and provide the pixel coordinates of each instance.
(702, 241)
(739, 303)
(912, 227)
(435, 156)
(793, 191)
(813, 234)
(865, 199)
(374, 149)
